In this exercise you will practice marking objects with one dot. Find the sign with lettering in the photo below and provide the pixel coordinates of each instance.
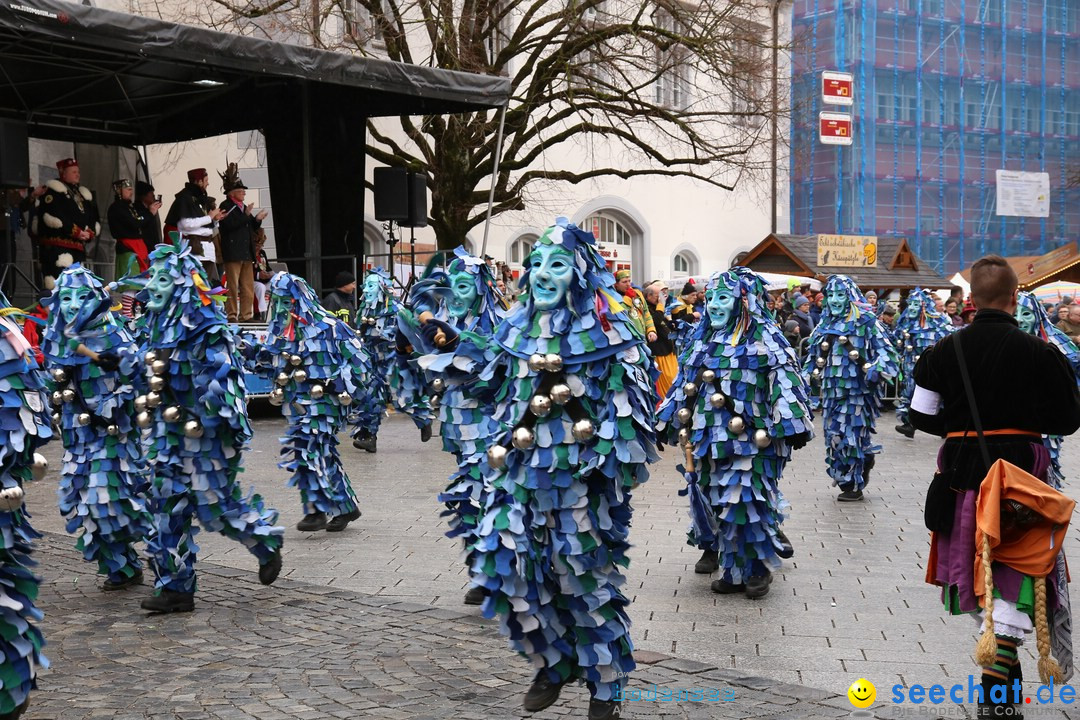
(834, 128)
(847, 251)
(1023, 194)
(837, 88)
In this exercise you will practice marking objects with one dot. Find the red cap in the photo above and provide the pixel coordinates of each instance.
(64, 164)
(196, 175)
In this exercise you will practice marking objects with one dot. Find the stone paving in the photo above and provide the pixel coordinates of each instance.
(851, 603)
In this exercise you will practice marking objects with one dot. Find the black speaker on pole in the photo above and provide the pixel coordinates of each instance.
(417, 201)
(391, 194)
(14, 154)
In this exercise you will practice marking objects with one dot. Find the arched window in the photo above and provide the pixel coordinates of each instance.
(684, 263)
(519, 250)
(607, 230)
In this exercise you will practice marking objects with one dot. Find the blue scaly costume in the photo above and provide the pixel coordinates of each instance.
(917, 329)
(737, 408)
(103, 481)
(24, 427)
(850, 355)
(320, 370)
(196, 427)
(573, 392)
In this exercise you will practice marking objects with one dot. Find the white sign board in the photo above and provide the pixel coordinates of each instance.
(1023, 194)
(837, 88)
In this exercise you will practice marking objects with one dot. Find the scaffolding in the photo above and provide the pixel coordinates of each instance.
(946, 93)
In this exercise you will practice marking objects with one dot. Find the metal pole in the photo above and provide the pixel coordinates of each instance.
(775, 102)
(494, 177)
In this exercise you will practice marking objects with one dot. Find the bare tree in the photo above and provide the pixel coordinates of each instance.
(662, 88)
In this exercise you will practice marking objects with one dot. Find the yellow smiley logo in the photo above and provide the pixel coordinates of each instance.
(862, 693)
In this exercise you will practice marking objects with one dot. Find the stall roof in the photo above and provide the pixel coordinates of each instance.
(897, 266)
(79, 73)
(1061, 263)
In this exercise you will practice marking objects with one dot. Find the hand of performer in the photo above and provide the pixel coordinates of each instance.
(107, 361)
(660, 445)
(439, 334)
(651, 337)
(402, 343)
(873, 375)
(799, 441)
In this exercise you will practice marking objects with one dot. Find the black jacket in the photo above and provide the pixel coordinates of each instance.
(1019, 381)
(63, 209)
(663, 344)
(126, 220)
(237, 230)
(343, 305)
(191, 202)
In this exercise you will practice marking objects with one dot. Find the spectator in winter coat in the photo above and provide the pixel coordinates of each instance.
(341, 301)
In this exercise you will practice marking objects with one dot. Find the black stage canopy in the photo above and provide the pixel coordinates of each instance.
(83, 74)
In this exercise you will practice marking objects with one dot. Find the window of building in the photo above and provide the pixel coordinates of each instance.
(499, 33)
(749, 91)
(673, 70)
(360, 26)
(519, 249)
(607, 231)
(684, 263)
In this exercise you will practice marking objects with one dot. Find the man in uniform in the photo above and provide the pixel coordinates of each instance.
(66, 220)
(637, 308)
(192, 213)
(1024, 388)
(129, 224)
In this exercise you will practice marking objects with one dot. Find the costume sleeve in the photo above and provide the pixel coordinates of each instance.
(789, 400)
(55, 218)
(1058, 398)
(474, 365)
(927, 385)
(217, 372)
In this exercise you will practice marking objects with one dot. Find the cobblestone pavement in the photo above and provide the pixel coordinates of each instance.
(383, 600)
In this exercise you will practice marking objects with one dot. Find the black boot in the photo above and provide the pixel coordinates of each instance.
(604, 709)
(851, 495)
(868, 465)
(758, 585)
(269, 571)
(364, 441)
(783, 545)
(168, 601)
(542, 693)
(312, 522)
(425, 433)
(475, 596)
(723, 587)
(17, 712)
(906, 429)
(135, 578)
(708, 563)
(340, 522)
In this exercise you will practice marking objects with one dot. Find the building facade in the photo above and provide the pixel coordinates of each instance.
(946, 92)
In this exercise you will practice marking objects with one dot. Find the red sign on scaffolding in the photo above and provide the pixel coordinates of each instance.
(837, 88)
(834, 128)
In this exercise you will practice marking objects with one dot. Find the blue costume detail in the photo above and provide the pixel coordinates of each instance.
(331, 358)
(917, 329)
(851, 387)
(204, 383)
(102, 485)
(24, 427)
(553, 538)
(1032, 318)
(748, 369)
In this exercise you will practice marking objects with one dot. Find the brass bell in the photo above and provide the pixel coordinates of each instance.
(866, 367)
(157, 383)
(140, 403)
(59, 376)
(83, 419)
(438, 385)
(57, 398)
(560, 394)
(344, 398)
(536, 362)
(684, 437)
(296, 360)
(150, 357)
(540, 405)
(906, 334)
(843, 339)
(143, 419)
(917, 357)
(816, 373)
(762, 439)
(854, 355)
(193, 429)
(113, 430)
(820, 362)
(736, 425)
(583, 430)
(171, 413)
(68, 395)
(153, 400)
(496, 455)
(690, 389)
(553, 362)
(908, 348)
(523, 438)
(684, 415)
(56, 418)
(316, 392)
(300, 376)
(434, 402)
(717, 400)
(159, 367)
(11, 499)
(281, 380)
(276, 397)
(708, 376)
(825, 346)
(39, 467)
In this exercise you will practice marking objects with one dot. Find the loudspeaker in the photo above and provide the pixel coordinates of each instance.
(14, 154)
(391, 194)
(417, 201)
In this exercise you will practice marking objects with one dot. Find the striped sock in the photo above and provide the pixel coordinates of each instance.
(998, 673)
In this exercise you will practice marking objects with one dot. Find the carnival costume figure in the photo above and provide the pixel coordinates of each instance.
(737, 409)
(1033, 320)
(850, 358)
(401, 381)
(569, 377)
(320, 370)
(195, 423)
(919, 327)
(463, 295)
(93, 369)
(24, 427)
